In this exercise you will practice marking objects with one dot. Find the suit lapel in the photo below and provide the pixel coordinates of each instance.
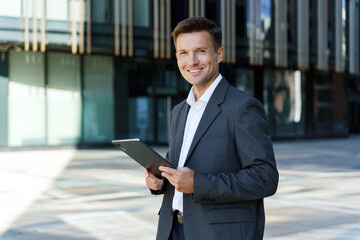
(211, 112)
(179, 136)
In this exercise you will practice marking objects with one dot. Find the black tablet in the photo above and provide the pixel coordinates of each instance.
(143, 154)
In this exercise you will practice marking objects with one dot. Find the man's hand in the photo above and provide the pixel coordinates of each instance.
(181, 178)
(153, 182)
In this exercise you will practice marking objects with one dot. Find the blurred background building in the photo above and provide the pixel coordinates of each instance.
(81, 72)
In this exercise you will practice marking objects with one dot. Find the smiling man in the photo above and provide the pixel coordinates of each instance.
(220, 142)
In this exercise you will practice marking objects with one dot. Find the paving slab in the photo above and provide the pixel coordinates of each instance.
(100, 194)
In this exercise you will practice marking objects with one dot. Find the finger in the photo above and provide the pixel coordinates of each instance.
(146, 172)
(168, 170)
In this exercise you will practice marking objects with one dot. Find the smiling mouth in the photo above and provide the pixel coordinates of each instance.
(194, 71)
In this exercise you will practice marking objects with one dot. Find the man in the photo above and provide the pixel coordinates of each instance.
(220, 142)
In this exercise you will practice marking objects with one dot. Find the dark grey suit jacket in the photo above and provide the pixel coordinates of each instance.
(234, 165)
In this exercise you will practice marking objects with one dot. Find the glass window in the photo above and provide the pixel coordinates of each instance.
(163, 111)
(330, 105)
(101, 11)
(141, 118)
(284, 102)
(141, 102)
(344, 29)
(241, 19)
(63, 99)
(26, 100)
(30, 8)
(57, 10)
(245, 80)
(98, 99)
(3, 98)
(141, 13)
(10, 8)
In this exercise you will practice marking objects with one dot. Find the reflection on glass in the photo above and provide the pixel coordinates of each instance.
(63, 99)
(261, 15)
(98, 99)
(10, 8)
(102, 13)
(141, 118)
(3, 98)
(142, 16)
(284, 102)
(163, 106)
(330, 105)
(343, 28)
(245, 80)
(26, 100)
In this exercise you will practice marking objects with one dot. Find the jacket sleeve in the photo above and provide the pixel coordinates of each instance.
(162, 190)
(258, 176)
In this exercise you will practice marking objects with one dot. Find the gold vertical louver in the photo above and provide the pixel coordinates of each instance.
(322, 31)
(130, 30)
(26, 30)
(280, 33)
(43, 28)
(34, 44)
(228, 28)
(116, 30)
(255, 39)
(196, 8)
(168, 29)
(156, 29)
(73, 28)
(123, 28)
(162, 29)
(88, 27)
(303, 34)
(126, 37)
(339, 59)
(81, 27)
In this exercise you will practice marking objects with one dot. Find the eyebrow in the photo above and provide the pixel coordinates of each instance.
(179, 50)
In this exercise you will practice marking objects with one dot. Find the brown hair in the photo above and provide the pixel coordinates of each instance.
(198, 24)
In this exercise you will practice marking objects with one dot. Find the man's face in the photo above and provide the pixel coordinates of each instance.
(197, 59)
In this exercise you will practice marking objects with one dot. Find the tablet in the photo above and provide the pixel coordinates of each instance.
(143, 154)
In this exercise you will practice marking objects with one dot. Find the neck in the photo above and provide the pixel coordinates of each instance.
(199, 90)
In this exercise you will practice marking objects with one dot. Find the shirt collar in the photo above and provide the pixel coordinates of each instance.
(207, 94)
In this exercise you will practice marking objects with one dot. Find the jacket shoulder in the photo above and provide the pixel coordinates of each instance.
(240, 98)
(177, 108)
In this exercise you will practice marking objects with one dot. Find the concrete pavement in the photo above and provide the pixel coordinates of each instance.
(100, 194)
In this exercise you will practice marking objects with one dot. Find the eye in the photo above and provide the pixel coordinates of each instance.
(181, 53)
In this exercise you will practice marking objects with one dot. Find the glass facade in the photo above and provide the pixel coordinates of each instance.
(59, 98)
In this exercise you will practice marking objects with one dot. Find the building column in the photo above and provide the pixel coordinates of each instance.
(281, 45)
(303, 34)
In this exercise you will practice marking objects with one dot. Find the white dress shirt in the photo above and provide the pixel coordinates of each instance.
(196, 111)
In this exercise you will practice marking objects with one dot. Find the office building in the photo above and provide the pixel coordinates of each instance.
(82, 72)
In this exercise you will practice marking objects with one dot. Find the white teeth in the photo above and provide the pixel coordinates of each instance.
(193, 71)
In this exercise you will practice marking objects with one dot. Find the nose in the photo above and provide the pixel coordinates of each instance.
(193, 58)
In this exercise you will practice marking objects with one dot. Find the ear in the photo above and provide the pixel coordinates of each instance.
(220, 54)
